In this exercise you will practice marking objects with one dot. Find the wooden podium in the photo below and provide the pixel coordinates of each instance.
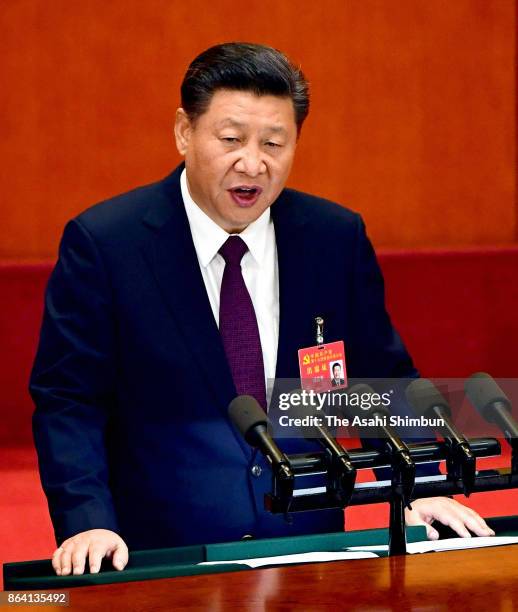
(479, 579)
(171, 579)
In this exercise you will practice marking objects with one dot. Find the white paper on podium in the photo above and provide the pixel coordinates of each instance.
(311, 557)
(447, 544)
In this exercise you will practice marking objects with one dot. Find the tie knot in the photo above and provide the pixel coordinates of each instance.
(233, 250)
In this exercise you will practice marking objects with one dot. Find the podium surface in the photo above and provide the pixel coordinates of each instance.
(468, 579)
(479, 579)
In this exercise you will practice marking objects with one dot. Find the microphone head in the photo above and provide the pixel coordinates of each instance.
(245, 413)
(483, 391)
(423, 395)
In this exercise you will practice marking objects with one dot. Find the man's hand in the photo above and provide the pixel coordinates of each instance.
(448, 512)
(94, 544)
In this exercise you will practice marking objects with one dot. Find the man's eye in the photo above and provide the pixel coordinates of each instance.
(273, 145)
(231, 139)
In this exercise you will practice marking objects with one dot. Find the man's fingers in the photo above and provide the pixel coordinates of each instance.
(95, 557)
(94, 544)
(120, 556)
(56, 560)
(414, 518)
(66, 561)
(78, 557)
(457, 524)
(461, 518)
(431, 533)
(450, 513)
(478, 525)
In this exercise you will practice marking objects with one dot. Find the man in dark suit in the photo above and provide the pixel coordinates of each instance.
(337, 380)
(170, 300)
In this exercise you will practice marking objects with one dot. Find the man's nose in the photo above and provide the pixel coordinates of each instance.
(250, 161)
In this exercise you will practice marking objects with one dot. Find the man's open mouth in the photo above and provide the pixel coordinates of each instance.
(245, 195)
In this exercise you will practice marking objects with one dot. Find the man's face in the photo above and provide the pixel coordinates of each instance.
(336, 372)
(238, 155)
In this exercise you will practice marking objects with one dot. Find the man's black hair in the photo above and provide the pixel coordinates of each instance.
(336, 364)
(243, 67)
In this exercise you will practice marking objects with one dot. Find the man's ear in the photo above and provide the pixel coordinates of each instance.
(182, 130)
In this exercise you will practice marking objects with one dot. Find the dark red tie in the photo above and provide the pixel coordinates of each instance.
(238, 325)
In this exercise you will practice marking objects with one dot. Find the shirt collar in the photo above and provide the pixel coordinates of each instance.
(209, 237)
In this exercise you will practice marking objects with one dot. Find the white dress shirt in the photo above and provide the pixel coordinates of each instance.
(258, 266)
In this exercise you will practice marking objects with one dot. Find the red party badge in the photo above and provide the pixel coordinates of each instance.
(323, 367)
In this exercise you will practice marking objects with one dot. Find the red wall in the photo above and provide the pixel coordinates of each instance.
(413, 117)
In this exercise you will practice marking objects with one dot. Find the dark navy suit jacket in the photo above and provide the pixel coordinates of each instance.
(128, 438)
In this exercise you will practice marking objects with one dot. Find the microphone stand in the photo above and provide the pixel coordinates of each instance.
(398, 492)
(341, 477)
(402, 485)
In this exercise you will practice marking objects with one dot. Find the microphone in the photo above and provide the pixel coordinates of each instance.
(251, 421)
(403, 467)
(429, 402)
(492, 403)
(341, 466)
(394, 442)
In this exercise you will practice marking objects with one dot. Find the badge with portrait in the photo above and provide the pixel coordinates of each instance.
(322, 367)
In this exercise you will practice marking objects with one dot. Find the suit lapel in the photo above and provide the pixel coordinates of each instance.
(172, 257)
(296, 287)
